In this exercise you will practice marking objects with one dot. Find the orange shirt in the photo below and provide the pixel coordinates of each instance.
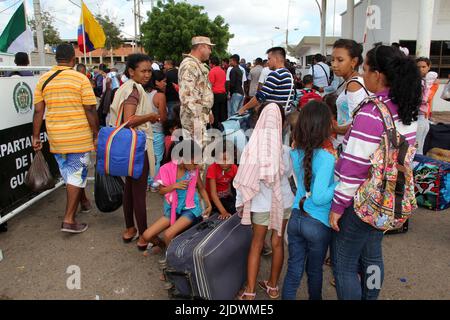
(65, 118)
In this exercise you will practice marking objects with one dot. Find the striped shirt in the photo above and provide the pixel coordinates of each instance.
(65, 119)
(360, 143)
(277, 88)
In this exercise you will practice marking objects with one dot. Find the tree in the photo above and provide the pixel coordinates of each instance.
(171, 26)
(112, 31)
(51, 34)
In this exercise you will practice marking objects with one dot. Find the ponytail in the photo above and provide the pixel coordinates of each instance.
(312, 129)
(402, 78)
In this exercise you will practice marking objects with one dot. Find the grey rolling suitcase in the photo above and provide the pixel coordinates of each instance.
(209, 260)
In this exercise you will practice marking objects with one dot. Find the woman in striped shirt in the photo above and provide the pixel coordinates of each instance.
(356, 246)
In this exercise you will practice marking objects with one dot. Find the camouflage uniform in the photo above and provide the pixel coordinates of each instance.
(196, 98)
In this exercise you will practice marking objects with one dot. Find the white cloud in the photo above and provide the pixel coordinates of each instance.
(252, 22)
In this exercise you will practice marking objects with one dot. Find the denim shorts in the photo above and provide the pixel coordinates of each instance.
(185, 213)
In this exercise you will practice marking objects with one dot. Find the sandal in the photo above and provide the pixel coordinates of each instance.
(264, 285)
(243, 294)
(128, 240)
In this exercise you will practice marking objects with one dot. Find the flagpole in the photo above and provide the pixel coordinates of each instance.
(84, 36)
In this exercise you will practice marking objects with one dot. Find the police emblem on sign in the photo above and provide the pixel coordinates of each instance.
(23, 98)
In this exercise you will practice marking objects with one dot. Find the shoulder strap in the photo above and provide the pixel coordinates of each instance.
(326, 74)
(386, 115)
(358, 82)
(50, 79)
(290, 91)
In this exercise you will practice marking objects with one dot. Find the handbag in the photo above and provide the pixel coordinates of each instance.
(121, 151)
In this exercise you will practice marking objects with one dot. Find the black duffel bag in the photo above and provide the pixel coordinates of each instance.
(437, 137)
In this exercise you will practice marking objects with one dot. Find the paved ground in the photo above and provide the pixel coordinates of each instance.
(37, 255)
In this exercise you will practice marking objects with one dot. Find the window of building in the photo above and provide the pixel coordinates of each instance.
(439, 55)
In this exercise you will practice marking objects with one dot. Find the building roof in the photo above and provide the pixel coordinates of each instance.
(307, 42)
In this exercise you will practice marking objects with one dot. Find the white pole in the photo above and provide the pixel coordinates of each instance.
(426, 12)
(287, 25)
(39, 31)
(135, 26)
(351, 18)
(84, 36)
(368, 13)
(323, 29)
(334, 17)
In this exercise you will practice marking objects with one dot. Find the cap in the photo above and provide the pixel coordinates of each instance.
(201, 40)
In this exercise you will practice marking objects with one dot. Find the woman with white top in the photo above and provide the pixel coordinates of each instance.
(346, 59)
(264, 196)
(156, 88)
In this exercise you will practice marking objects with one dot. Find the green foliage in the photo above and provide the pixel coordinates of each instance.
(171, 26)
(112, 31)
(51, 34)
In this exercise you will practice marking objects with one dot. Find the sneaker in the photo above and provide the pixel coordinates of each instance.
(74, 227)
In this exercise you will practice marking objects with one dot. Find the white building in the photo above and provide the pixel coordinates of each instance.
(415, 24)
(308, 47)
(399, 21)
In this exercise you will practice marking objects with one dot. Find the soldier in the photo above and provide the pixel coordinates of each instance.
(196, 94)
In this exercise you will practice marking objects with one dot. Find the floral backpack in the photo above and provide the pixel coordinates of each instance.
(387, 199)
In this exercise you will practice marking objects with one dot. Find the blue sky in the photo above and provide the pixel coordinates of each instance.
(252, 22)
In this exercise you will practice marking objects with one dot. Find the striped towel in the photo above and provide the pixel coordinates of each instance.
(261, 160)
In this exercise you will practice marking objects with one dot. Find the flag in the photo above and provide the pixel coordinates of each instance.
(17, 36)
(93, 32)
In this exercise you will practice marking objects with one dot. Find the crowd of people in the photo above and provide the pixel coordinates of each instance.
(323, 129)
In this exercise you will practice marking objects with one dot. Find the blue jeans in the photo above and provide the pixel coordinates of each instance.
(158, 148)
(356, 253)
(308, 244)
(235, 103)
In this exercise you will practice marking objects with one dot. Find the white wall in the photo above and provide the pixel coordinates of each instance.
(6, 59)
(405, 20)
(373, 36)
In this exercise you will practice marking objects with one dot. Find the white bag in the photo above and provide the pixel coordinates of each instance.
(446, 93)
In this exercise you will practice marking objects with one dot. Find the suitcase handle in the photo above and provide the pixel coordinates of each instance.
(208, 225)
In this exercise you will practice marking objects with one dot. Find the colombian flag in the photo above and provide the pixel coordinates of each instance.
(93, 32)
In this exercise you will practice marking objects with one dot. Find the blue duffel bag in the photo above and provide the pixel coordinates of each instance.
(121, 151)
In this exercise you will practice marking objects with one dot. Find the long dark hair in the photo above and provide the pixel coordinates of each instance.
(402, 77)
(313, 128)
